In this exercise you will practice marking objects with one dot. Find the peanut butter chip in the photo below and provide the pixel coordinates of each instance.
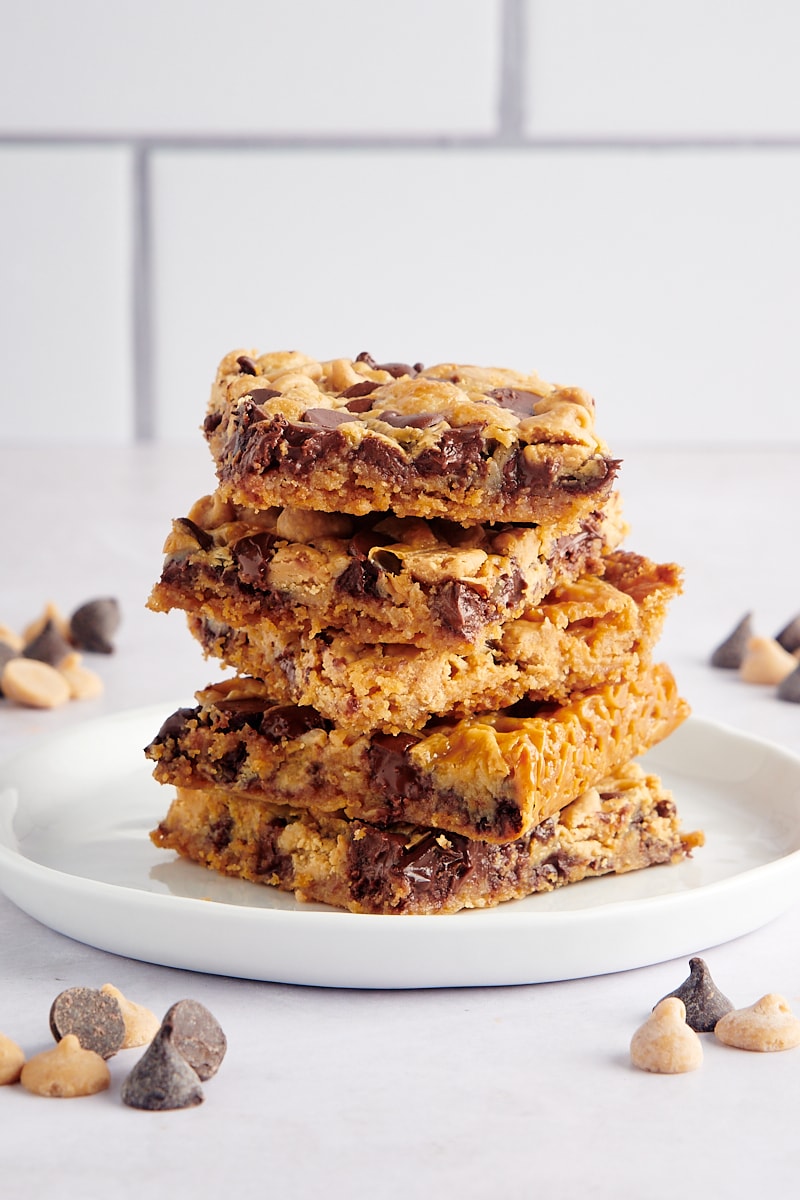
(765, 661)
(12, 1060)
(665, 1044)
(33, 683)
(141, 1025)
(83, 683)
(65, 1071)
(769, 1024)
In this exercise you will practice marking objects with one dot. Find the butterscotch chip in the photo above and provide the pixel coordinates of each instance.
(729, 654)
(12, 1060)
(702, 999)
(141, 1025)
(665, 1044)
(767, 1025)
(84, 684)
(92, 1016)
(32, 683)
(765, 661)
(10, 638)
(65, 1071)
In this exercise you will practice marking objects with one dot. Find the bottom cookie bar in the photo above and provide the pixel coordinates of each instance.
(626, 822)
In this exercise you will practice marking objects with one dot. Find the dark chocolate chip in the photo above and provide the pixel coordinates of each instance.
(162, 1079)
(395, 369)
(518, 401)
(252, 555)
(92, 626)
(93, 1016)
(359, 391)
(400, 420)
(729, 654)
(391, 770)
(175, 725)
(288, 721)
(204, 539)
(789, 688)
(196, 1035)
(247, 365)
(49, 646)
(211, 423)
(327, 418)
(456, 450)
(789, 636)
(360, 578)
(462, 609)
(702, 999)
(365, 540)
(261, 395)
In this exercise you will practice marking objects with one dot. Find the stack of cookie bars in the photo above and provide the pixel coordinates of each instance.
(444, 658)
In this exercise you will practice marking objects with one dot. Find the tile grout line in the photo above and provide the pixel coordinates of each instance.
(142, 299)
(511, 98)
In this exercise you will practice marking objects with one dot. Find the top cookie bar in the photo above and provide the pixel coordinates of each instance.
(472, 444)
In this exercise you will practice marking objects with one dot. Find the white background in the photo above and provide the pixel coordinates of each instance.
(604, 190)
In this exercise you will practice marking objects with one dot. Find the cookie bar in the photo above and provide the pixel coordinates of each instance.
(470, 444)
(492, 776)
(625, 822)
(378, 578)
(587, 632)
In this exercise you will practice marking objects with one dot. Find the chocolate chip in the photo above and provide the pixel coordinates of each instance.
(211, 423)
(462, 609)
(94, 1017)
(327, 418)
(789, 636)
(175, 725)
(92, 625)
(196, 1035)
(359, 391)
(455, 451)
(252, 555)
(703, 1000)
(409, 420)
(49, 646)
(518, 401)
(729, 654)
(162, 1079)
(391, 770)
(288, 721)
(789, 688)
(247, 365)
(360, 578)
(395, 369)
(261, 395)
(204, 540)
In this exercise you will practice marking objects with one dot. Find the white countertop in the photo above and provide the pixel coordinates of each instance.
(462, 1092)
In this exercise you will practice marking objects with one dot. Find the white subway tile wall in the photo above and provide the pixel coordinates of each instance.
(604, 191)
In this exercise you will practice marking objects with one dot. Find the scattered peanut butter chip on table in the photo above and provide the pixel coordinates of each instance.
(141, 1025)
(767, 1025)
(765, 661)
(12, 1060)
(729, 654)
(67, 1070)
(83, 683)
(703, 1001)
(34, 684)
(665, 1044)
(94, 1017)
(162, 1079)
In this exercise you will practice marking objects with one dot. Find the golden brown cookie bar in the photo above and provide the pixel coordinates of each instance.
(467, 443)
(491, 777)
(378, 578)
(588, 632)
(623, 823)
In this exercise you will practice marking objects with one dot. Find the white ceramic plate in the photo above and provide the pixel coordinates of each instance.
(74, 854)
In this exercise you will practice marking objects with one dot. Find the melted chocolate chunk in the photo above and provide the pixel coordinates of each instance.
(431, 868)
(390, 768)
(456, 450)
(246, 365)
(204, 539)
(359, 391)
(360, 578)
(462, 609)
(400, 420)
(365, 540)
(510, 589)
(252, 556)
(220, 831)
(327, 418)
(288, 721)
(396, 369)
(305, 445)
(236, 714)
(211, 423)
(175, 725)
(380, 858)
(518, 401)
(260, 395)
(387, 460)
